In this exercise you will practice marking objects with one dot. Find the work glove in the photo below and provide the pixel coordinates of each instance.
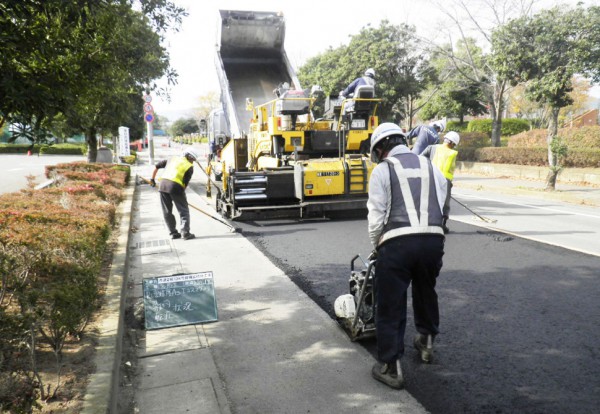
(152, 182)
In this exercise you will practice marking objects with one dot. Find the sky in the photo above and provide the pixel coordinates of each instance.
(312, 26)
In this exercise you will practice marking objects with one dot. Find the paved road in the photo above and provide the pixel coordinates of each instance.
(518, 317)
(573, 226)
(17, 167)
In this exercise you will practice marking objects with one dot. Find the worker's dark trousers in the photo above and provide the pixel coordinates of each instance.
(446, 209)
(180, 200)
(416, 258)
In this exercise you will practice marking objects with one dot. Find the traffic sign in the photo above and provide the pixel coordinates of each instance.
(147, 98)
(148, 108)
(149, 118)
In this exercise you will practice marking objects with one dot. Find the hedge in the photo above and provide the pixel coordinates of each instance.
(536, 156)
(510, 126)
(584, 137)
(457, 126)
(52, 243)
(67, 149)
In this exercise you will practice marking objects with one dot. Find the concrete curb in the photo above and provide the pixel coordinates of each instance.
(103, 386)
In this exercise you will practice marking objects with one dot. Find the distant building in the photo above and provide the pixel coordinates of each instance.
(589, 118)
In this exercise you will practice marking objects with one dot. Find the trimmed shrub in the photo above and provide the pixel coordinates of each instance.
(536, 156)
(19, 148)
(52, 243)
(510, 126)
(457, 126)
(66, 149)
(584, 137)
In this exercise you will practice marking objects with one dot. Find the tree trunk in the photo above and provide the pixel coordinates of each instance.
(552, 161)
(497, 105)
(92, 142)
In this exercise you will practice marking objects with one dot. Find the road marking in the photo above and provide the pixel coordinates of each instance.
(531, 206)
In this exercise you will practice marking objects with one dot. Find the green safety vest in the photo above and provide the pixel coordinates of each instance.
(445, 159)
(176, 169)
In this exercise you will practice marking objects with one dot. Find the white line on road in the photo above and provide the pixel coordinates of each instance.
(531, 206)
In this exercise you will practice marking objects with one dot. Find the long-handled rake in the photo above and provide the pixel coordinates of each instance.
(487, 220)
(231, 228)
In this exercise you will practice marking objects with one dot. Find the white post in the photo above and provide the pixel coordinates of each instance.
(150, 133)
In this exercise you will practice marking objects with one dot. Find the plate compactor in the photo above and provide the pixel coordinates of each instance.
(355, 311)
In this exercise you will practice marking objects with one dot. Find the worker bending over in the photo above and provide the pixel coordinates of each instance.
(426, 135)
(174, 181)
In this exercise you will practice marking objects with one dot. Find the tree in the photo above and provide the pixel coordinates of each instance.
(544, 52)
(453, 96)
(398, 57)
(82, 59)
(184, 126)
(206, 103)
(468, 58)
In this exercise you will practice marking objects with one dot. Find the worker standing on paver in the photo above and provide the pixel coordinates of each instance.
(443, 156)
(426, 135)
(173, 183)
(406, 197)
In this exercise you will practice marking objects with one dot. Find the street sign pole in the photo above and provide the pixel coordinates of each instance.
(150, 132)
(149, 118)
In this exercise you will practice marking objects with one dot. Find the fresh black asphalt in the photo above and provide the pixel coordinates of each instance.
(518, 318)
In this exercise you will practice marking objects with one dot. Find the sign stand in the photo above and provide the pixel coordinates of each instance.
(177, 300)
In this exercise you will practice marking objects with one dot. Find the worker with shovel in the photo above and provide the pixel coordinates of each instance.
(175, 179)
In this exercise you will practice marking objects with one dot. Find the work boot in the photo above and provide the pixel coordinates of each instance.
(188, 236)
(424, 344)
(175, 235)
(389, 374)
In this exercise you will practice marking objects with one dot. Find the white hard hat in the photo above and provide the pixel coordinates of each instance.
(441, 124)
(190, 153)
(452, 137)
(344, 306)
(383, 131)
(370, 72)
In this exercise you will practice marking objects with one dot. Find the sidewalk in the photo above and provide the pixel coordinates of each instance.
(272, 350)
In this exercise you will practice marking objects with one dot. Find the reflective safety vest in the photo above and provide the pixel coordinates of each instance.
(414, 208)
(445, 159)
(176, 169)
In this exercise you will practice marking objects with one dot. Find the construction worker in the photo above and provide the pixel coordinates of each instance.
(174, 181)
(367, 79)
(443, 156)
(406, 196)
(426, 135)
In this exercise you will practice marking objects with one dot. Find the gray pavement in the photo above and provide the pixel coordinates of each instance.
(272, 350)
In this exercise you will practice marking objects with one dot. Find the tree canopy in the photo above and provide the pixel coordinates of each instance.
(84, 60)
(544, 52)
(399, 58)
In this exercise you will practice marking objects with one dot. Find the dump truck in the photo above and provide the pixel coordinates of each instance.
(282, 160)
